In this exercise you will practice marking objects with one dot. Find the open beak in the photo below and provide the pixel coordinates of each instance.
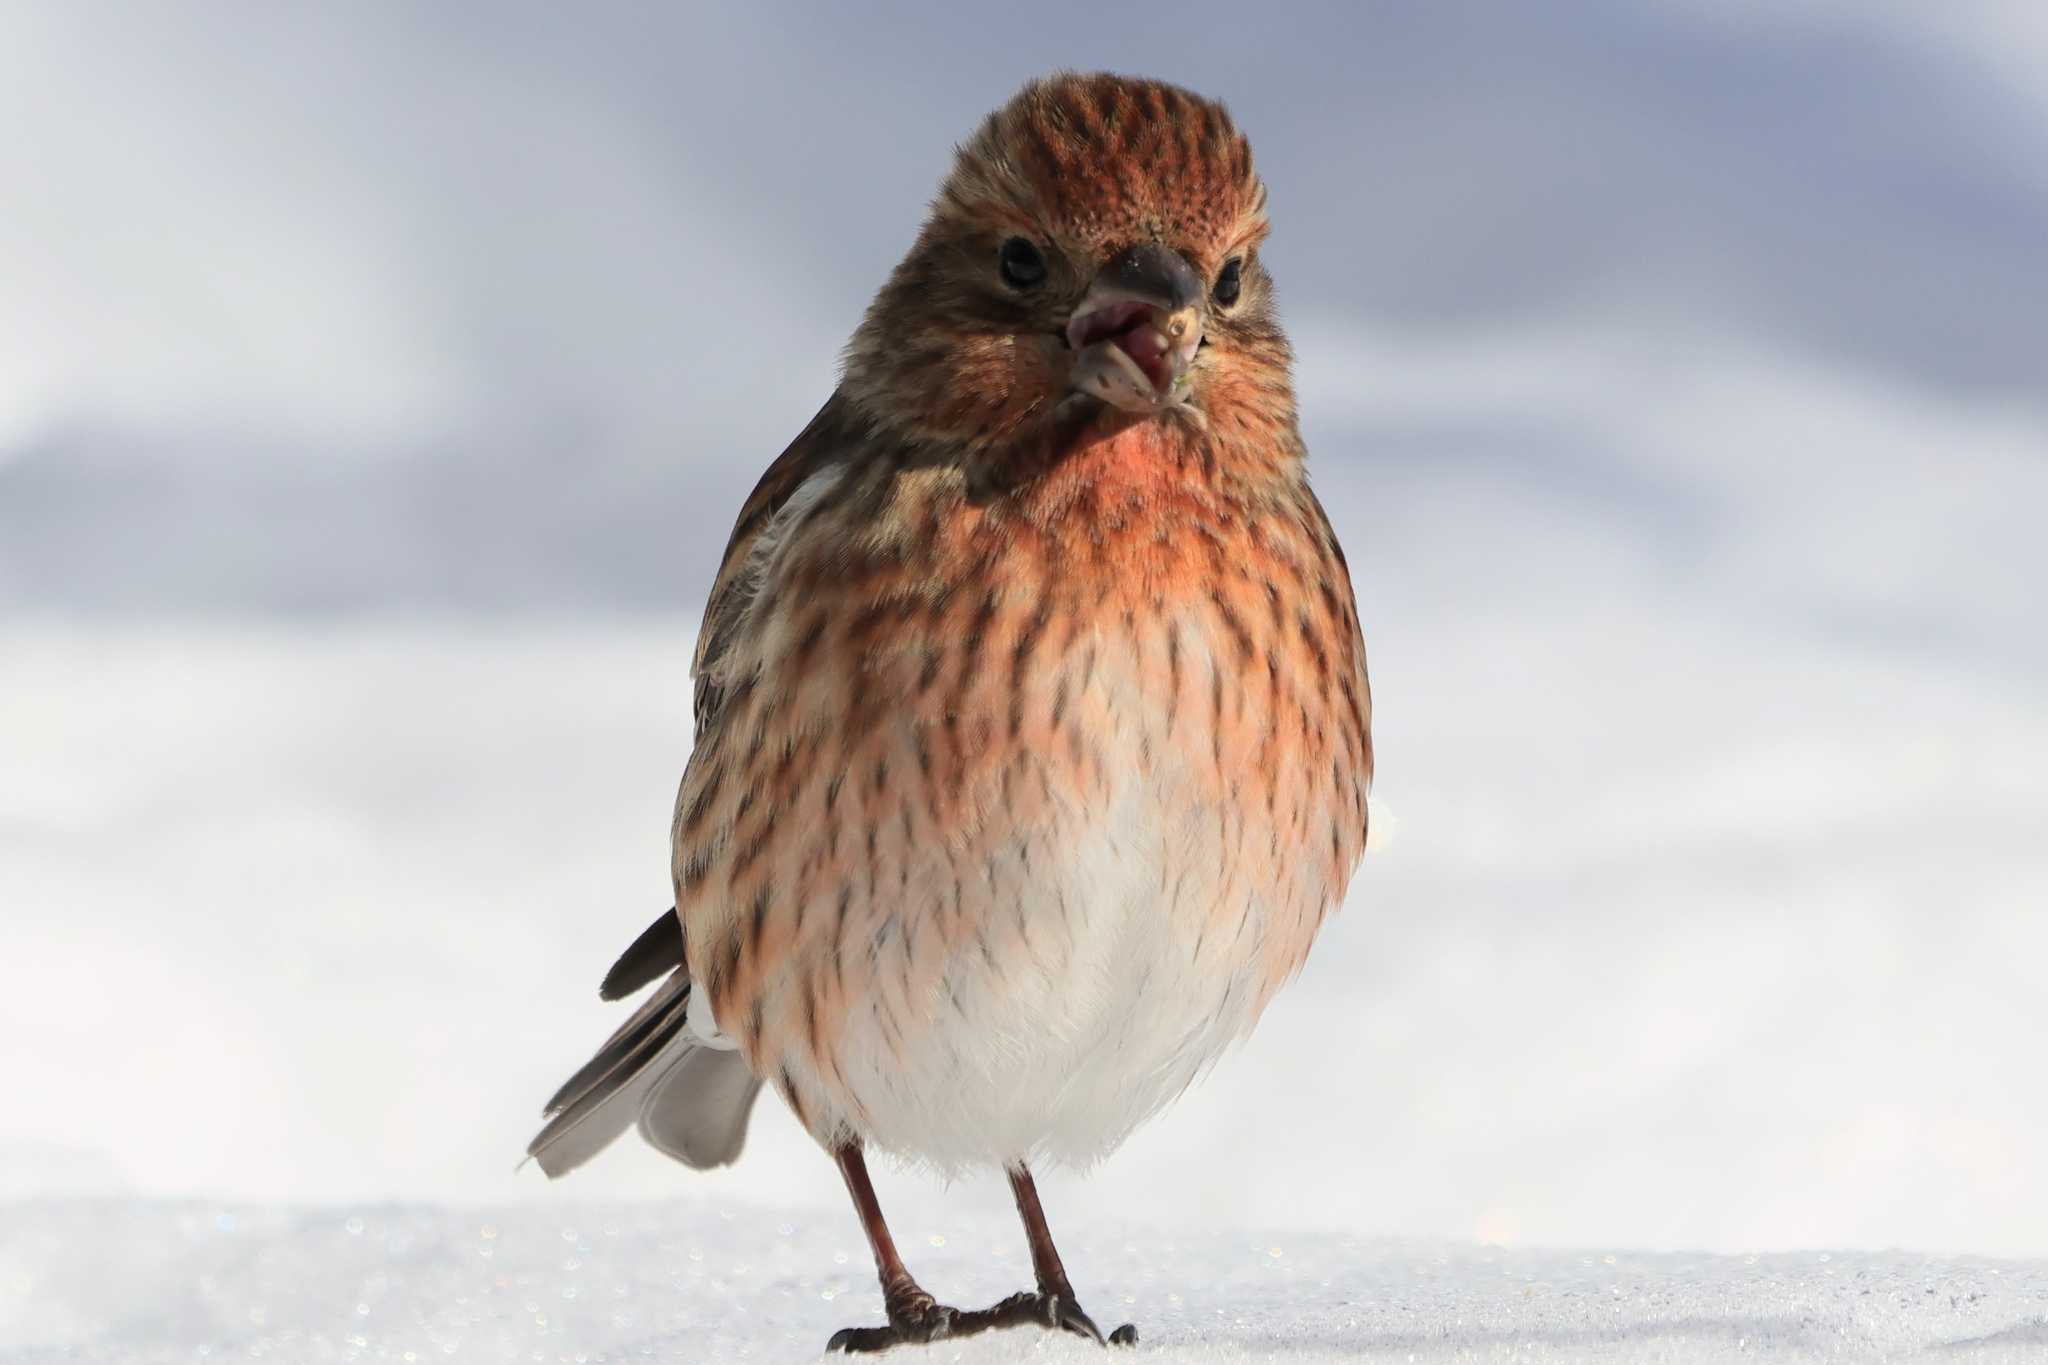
(1136, 332)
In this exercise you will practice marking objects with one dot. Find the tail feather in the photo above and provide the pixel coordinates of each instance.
(662, 1014)
(697, 1111)
(575, 1137)
(606, 1090)
(690, 1101)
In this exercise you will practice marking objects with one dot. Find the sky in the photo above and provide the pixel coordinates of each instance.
(377, 385)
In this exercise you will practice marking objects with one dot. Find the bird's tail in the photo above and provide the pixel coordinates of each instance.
(690, 1101)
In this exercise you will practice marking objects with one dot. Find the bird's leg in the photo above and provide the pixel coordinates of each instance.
(913, 1314)
(1053, 1305)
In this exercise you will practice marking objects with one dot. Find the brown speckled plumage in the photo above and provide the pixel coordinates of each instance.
(1033, 729)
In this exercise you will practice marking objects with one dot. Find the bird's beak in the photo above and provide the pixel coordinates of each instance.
(1136, 332)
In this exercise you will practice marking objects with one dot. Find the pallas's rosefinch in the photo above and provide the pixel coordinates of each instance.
(1033, 734)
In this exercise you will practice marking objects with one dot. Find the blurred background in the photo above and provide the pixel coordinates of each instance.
(378, 383)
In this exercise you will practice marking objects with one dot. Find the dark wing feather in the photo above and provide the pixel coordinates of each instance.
(657, 951)
(828, 438)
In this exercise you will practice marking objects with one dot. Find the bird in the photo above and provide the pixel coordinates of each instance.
(1033, 732)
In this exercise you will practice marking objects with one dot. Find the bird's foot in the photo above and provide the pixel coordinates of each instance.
(914, 1316)
(1053, 1309)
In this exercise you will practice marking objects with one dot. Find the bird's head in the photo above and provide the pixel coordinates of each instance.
(1095, 248)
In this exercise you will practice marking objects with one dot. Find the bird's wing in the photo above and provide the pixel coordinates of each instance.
(659, 948)
(691, 1102)
(820, 445)
(657, 951)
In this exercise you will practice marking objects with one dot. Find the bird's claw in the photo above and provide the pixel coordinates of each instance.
(917, 1318)
(1059, 1311)
(912, 1318)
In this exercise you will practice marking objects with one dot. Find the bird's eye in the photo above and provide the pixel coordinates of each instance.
(1022, 265)
(1230, 283)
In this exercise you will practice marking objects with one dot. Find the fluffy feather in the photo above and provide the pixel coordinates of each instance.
(1033, 734)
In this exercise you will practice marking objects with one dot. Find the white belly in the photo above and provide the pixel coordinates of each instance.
(1101, 987)
(1029, 971)
(1060, 1052)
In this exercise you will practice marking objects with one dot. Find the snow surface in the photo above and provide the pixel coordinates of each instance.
(300, 915)
(139, 1281)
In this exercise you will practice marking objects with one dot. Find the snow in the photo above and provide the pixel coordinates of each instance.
(87, 1282)
(303, 915)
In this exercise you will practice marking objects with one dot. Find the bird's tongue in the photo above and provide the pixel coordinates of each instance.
(1121, 355)
(1146, 345)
